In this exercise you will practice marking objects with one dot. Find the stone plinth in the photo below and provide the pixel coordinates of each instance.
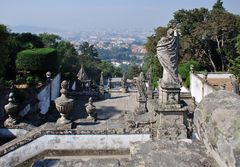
(149, 93)
(124, 89)
(169, 95)
(142, 106)
(171, 122)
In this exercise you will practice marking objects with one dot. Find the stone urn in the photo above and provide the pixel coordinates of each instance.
(11, 110)
(91, 110)
(64, 104)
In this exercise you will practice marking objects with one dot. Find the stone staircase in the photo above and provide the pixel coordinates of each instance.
(50, 137)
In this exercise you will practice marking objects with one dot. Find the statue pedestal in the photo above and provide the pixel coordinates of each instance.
(150, 93)
(142, 105)
(170, 112)
(124, 89)
(171, 121)
(169, 95)
(101, 92)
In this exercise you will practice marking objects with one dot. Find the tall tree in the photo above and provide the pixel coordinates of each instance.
(218, 6)
(50, 40)
(4, 53)
(235, 64)
(151, 59)
(207, 36)
(69, 59)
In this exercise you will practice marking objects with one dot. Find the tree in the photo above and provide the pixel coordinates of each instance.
(50, 40)
(18, 42)
(69, 59)
(108, 69)
(88, 50)
(150, 59)
(235, 64)
(235, 67)
(29, 40)
(37, 60)
(221, 30)
(134, 71)
(238, 44)
(218, 6)
(4, 53)
(207, 36)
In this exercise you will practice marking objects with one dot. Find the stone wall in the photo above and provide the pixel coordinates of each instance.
(44, 95)
(199, 88)
(70, 142)
(55, 86)
(11, 133)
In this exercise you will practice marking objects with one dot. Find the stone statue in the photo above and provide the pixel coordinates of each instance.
(101, 83)
(141, 86)
(235, 84)
(101, 86)
(142, 94)
(149, 83)
(167, 53)
(90, 109)
(124, 81)
(124, 86)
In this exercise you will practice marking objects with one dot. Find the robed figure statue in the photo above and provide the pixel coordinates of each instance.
(168, 53)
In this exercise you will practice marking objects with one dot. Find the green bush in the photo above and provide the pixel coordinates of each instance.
(37, 79)
(8, 83)
(30, 80)
(187, 82)
(20, 79)
(39, 59)
(184, 69)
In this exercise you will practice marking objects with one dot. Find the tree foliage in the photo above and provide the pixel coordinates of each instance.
(134, 71)
(41, 59)
(50, 40)
(151, 58)
(235, 64)
(218, 6)
(207, 36)
(4, 53)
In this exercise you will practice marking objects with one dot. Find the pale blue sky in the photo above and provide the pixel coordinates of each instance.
(85, 14)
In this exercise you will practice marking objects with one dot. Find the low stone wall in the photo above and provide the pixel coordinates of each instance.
(199, 88)
(53, 138)
(44, 95)
(11, 133)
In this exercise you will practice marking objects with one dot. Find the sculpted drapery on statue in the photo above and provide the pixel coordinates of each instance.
(167, 53)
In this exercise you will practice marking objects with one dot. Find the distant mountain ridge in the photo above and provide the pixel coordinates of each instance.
(33, 29)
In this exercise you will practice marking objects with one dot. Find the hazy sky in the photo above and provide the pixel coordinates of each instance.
(100, 14)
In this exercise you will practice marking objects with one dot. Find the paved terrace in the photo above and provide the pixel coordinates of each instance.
(110, 112)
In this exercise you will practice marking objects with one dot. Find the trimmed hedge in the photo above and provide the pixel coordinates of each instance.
(39, 59)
